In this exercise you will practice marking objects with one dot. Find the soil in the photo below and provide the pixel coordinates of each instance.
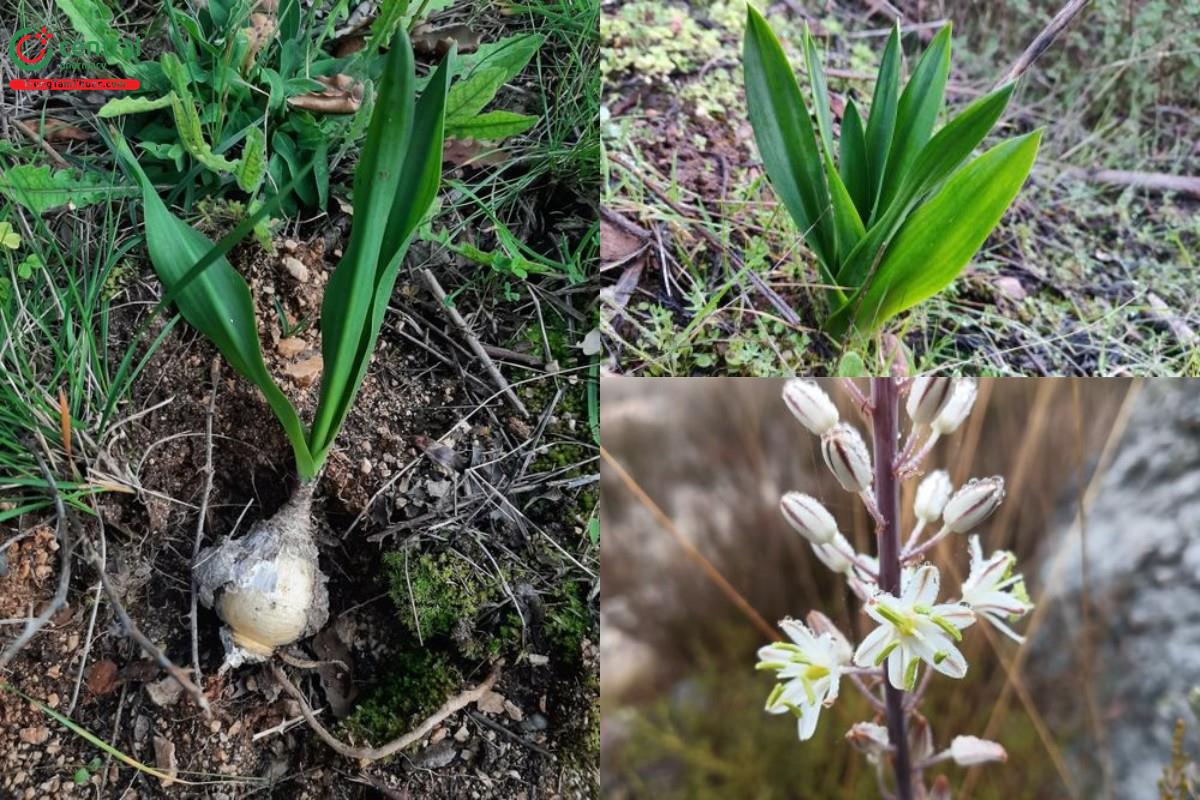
(410, 403)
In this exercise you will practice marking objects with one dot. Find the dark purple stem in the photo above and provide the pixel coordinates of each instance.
(885, 401)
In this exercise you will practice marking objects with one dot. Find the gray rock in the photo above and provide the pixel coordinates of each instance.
(1143, 581)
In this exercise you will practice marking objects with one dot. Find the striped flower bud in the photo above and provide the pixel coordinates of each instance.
(834, 555)
(809, 517)
(811, 405)
(957, 408)
(973, 503)
(846, 454)
(928, 397)
(932, 495)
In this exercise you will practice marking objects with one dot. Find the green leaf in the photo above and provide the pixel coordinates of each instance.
(216, 302)
(492, 126)
(853, 164)
(500, 64)
(820, 91)
(93, 20)
(848, 226)
(8, 236)
(39, 189)
(941, 236)
(851, 366)
(917, 112)
(252, 166)
(133, 105)
(397, 179)
(881, 125)
(786, 140)
(943, 154)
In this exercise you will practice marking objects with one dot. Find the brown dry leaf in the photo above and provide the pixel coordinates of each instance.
(428, 41)
(617, 245)
(260, 31)
(463, 152)
(349, 45)
(336, 681)
(164, 759)
(306, 371)
(343, 95)
(102, 677)
(57, 130)
(439, 453)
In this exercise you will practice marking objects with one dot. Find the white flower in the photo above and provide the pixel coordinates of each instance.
(914, 628)
(932, 495)
(847, 456)
(970, 750)
(928, 397)
(811, 405)
(973, 503)
(869, 738)
(993, 592)
(808, 668)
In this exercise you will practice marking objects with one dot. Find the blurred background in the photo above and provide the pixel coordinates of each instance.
(1103, 511)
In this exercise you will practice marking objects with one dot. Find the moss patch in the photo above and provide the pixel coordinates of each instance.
(418, 684)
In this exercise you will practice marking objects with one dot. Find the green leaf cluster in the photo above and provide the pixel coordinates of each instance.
(484, 73)
(893, 211)
(396, 182)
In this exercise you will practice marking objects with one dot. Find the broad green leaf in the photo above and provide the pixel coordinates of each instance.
(289, 20)
(252, 166)
(491, 126)
(917, 113)
(133, 105)
(853, 164)
(820, 91)
(483, 80)
(942, 235)
(384, 191)
(786, 140)
(39, 189)
(941, 155)
(881, 124)
(511, 54)
(216, 302)
(847, 224)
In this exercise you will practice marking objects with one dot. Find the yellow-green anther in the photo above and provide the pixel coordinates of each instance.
(940, 656)
(766, 666)
(887, 651)
(910, 675)
(815, 672)
(951, 631)
(773, 698)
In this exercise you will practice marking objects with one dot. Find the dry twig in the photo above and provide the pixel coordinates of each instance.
(214, 373)
(452, 705)
(1043, 40)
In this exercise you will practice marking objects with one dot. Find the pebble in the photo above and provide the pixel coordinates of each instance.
(536, 722)
(35, 735)
(365, 467)
(291, 346)
(296, 268)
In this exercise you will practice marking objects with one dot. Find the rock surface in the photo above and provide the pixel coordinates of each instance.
(1143, 580)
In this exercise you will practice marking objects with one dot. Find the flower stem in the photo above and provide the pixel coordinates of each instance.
(885, 401)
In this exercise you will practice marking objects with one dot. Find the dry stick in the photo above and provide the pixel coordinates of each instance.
(689, 549)
(214, 374)
(58, 160)
(452, 312)
(1043, 40)
(1156, 181)
(452, 705)
(885, 404)
(66, 547)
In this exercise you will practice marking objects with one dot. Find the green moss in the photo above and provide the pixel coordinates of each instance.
(444, 590)
(567, 622)
(418, 683)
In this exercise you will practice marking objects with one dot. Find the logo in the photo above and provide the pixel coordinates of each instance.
(30, 49)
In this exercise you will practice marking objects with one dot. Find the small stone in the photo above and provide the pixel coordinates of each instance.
(55, 672)
(215, 725)
(52, 700)
(436, 756)
(438, 735)
(296, 268)
(35, 735)
(462, 734)
(290, 245)
(536, 722)
(538, 660)
(491, 703)
(306, 371)
(291, 346)
(513, 710)
(365, 467)
(164, 692)
(164, 757)
(1010, 288)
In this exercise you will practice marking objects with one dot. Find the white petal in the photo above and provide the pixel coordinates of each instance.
(953, 665)
(956, 614)
(799, 633)
(831, 694)
(922, 589)
(807, 724)
(1003, 628)
(899, 663)
(870, 648)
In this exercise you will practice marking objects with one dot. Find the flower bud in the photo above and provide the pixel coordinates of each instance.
(846, 454)
(957, 408)
(834, 555)
(809, 517)
(932, 495)
(973, 503)
(970, 750)
(869, 738)
(811, 406)
(928, 397)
